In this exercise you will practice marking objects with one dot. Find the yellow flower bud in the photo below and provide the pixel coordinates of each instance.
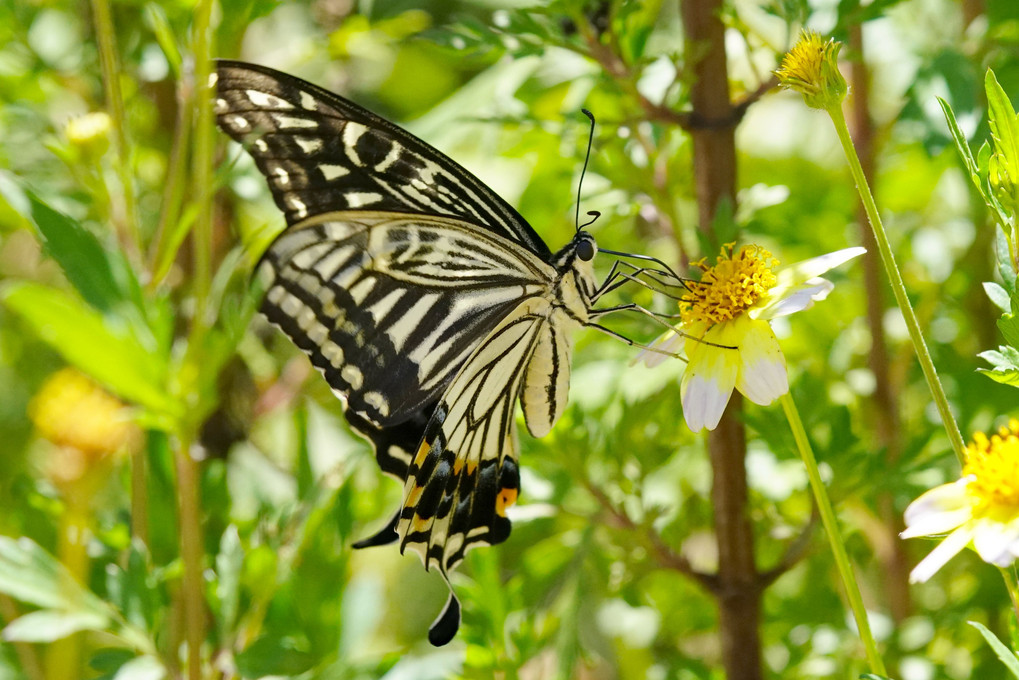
(811, 68)
(90, 133)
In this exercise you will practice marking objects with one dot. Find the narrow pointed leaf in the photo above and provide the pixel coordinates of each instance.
(49, 625)
(87, 264)
(998, 296)
(30, 574)
(1006, 655)
(962, 145)
(1004, 128)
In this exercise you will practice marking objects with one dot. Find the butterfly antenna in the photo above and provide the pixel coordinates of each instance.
(587, 157)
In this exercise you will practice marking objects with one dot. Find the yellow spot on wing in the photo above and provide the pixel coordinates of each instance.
(422, 453)
(415, 496)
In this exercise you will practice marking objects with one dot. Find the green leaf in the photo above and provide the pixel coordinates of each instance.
(144, 667)
(273, 656)
(962, 145)
(30, 574)
(84, 338)
(130, 590)
(1004, 129)
(109, 659)
(87, 264)
(229, 563)
(155, 17)
(1005, 363)
(998, 296)
(1003, 254)
(1006, 655)
(49, 625)
(1008, 324)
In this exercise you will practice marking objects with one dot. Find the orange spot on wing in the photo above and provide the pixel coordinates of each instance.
(504, 500)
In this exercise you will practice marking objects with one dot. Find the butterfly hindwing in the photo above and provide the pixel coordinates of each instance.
(464, 476)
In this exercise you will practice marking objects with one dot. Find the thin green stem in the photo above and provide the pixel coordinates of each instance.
(129, 233)
(898, 287)
(831, 527)
(191, 554)
(202, 160)
(1009, 574)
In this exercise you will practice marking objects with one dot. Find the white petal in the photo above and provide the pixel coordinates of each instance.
(670, 341)
(796, 298)
(946, 550)
(708, 381)
(801, 272)
(997, 542)
(762, 376)
(939, 510)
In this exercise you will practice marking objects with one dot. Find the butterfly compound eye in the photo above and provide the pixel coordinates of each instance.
(585, 251)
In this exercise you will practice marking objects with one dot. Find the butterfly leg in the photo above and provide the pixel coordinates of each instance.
(616, 278)
(657, 318)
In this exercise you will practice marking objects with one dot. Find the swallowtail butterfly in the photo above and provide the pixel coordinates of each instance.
(426, 301)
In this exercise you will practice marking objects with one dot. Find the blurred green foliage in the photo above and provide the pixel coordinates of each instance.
(586, 586)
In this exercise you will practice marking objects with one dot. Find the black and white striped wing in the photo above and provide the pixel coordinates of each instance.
(322, 153)
(464, 475)
(389, 306)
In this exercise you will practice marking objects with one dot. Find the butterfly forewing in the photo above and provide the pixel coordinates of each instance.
(322, 153)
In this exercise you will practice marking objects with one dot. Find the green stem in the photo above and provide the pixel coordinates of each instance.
(898, 287)
(1009, 574)
(202, 161)
(130, 236)
(831, 527)
(63, 656)
(191, 554)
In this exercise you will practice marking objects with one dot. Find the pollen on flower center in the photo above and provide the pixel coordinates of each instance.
(993, 465)
(729, 288)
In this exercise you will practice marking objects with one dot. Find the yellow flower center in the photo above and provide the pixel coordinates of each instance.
(733, 285)
(994, 465)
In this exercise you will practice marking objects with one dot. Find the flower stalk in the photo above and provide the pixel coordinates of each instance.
(831, 527)
(811, 68)
(898, 287)
(130, 235)
(1012, 585)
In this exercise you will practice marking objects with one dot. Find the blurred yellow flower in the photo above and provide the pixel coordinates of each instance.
(86, 423)
(811, 68)
(90, 132)
(725, 330)
(980, 510)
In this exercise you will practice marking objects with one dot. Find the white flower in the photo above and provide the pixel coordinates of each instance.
(725, 327)
(980, 510)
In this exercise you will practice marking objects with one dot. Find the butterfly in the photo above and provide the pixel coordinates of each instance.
(430, 306)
